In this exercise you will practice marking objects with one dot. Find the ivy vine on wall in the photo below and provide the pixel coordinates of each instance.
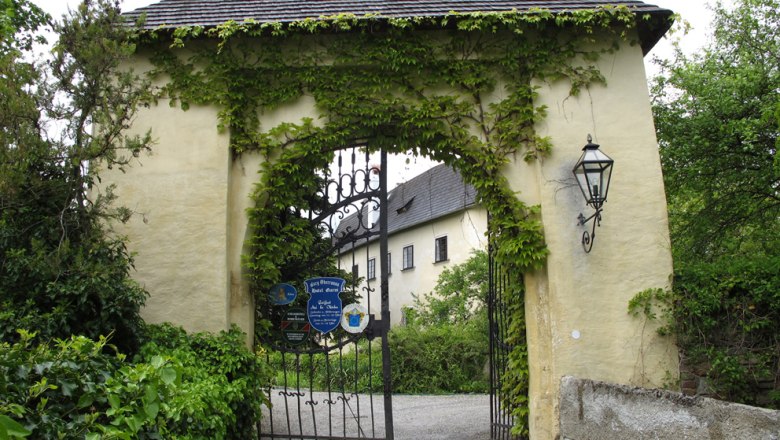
(458, 89)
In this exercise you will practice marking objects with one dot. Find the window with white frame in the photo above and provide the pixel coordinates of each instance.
(441, 249)
(355, 272)
(408, 260)
(371, 269)
(389, 264)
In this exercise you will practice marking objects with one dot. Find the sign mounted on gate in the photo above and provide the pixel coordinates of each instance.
(295, 327)
(282, 294)
(324, 306)
(355, 318)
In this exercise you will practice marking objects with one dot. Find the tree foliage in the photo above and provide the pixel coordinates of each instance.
(61, 271)
(726, 319)
(717, 115)
(64, 275)
(718, 119)
(460, 294)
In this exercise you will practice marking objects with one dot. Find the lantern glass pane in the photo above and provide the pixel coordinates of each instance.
(582, 181)
(593, 172)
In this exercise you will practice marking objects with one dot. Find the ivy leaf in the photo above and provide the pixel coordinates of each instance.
(85, 400)
(152, 409)
(168, 375)
(11, 428)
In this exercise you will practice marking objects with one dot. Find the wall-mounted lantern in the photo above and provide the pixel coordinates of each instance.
(593, 172)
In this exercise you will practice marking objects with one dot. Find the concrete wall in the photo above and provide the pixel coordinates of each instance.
(592, 410)
(465, 231)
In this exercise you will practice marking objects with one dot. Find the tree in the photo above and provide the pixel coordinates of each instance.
(460, 294)
(717, 119)
(61, 271)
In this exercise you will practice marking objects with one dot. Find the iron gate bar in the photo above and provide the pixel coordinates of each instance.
(322, 438)
(385, 293)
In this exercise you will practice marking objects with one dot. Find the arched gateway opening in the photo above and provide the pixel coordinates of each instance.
(278, 89)
(326, 322)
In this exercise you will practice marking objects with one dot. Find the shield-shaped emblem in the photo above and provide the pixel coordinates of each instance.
(324, 306)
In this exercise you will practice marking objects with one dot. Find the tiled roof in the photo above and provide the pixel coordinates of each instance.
(433, 194)
(175, 13)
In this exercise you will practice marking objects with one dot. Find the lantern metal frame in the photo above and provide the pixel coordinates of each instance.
(593, 173)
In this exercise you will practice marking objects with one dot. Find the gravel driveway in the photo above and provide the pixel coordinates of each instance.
(454, 417)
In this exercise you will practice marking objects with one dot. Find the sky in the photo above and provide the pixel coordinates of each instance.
(696, 12)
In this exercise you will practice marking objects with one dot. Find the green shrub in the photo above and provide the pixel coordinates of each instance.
(726, 318)
(62, 289)
(56, 390)
(178, 387)
(222, 382)
(349, 373)
(445, 358)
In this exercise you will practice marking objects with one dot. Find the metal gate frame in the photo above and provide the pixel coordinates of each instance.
(501, 419)
(304, 406)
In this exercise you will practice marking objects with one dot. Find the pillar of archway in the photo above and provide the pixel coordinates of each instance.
(576, 306)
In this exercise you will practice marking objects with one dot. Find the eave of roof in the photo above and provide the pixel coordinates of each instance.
(430, 196)
(169, 14)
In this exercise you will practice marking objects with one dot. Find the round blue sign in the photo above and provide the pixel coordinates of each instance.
(282, 294)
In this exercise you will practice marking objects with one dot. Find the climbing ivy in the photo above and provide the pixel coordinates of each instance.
(458, 89)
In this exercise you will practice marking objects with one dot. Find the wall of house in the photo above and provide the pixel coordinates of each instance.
(465, 231)
(576, 305)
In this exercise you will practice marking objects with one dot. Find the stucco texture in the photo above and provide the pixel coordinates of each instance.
(178, 230)
(577, 304)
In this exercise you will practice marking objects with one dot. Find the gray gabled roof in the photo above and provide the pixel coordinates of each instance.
(209, 13)
(433, 194)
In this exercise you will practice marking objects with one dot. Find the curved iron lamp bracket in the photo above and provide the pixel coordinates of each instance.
(588, 238)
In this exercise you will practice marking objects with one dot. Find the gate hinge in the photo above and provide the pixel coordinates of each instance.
(376, 327)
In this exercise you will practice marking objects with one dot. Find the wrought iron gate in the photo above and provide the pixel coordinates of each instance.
(335, 383)
(501, 420)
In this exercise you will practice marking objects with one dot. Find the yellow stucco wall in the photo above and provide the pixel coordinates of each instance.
(577, 304)
(191, 196)
(178, 231)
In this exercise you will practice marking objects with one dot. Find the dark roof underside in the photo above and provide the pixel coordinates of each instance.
(208, 13)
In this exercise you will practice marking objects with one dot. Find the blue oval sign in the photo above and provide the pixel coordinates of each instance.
(282, 294)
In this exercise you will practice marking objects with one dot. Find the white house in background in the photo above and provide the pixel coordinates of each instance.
(433, 222)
